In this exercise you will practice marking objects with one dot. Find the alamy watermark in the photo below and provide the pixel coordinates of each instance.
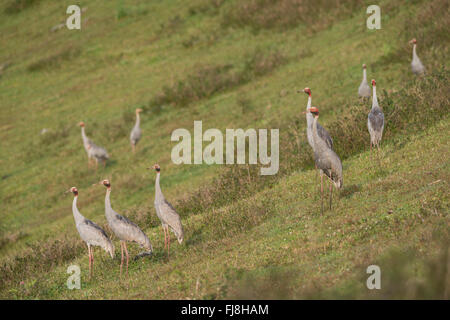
(74, 281)
(374, 280)
(213, 153)
(374, 20)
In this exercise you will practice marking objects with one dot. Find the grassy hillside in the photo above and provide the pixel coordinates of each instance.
(231, 66)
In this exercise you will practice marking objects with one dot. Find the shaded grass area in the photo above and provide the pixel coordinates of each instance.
(55, 60)
(316, 15)
(404, 275)
(206, 80)
(16, 6)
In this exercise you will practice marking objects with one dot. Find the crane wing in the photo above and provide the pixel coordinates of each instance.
(92, 233)
(376, 119)
(325, 136)
(171, 217)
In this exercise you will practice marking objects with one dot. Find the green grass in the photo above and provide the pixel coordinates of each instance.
(241, 237)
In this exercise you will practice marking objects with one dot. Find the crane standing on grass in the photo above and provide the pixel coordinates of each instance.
(375, 120)
(136, 133)
(327, 161)
(364, 89)
(124, 229)
(167, 214)
(416, 65)
(90, 232)
(93, 151)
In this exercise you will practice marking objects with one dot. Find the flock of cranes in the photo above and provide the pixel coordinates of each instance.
(326, 161)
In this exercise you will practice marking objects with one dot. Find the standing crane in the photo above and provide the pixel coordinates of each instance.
(124, 229)
(136, 133)
(375, 120)
(416, 65)
(166, 214)
(323, 134)
(327, 161)
(364, 89)
(90, 232)
(93, 151)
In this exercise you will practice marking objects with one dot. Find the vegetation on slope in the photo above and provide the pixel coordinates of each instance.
(245, 233)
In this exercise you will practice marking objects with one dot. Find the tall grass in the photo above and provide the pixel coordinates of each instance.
(38, 260)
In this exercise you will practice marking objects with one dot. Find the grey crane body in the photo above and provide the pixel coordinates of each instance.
(323, 134)
(136, 132)
(166, 213)
(375, 120)
(123, 228)
(90, 232)
(93, 151)
(416, 65)
(327, 161)
(364, 88)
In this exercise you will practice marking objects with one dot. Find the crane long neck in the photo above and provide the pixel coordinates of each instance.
(364, 75)
(108, 208)
(314, 127)
(138, 120)
(414, 56)
(76, 213)
(83, 134)
(309, 103)
(158, 192)
(374, 99)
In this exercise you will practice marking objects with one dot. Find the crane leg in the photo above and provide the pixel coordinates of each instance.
(321, 190)
(168, 242)
(331, 192)
(165, 238)
(126, 251)
(92, 258)
(104, 164)
(121, 260)
(90, 261)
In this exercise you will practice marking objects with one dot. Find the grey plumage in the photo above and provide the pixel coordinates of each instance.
(327, 161)
(136, 132)
(90, 232)
(323, 134)
(166, 213)
(93, 151)
(416, 65)
(124, 229)
(364, 89)
(375, 120)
